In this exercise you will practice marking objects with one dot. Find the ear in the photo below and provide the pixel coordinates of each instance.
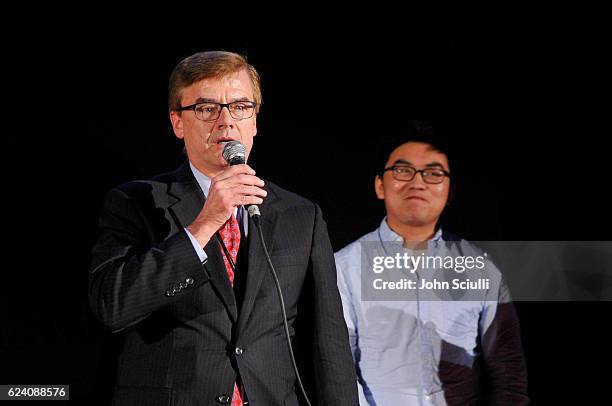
(177, 124)
(378, 188)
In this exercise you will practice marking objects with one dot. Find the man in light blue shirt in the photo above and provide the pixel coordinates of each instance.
(414, 344)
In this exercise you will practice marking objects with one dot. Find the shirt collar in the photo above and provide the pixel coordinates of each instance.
(203, 180)
(389, 235)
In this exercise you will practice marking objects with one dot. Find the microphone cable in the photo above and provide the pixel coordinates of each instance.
(255, 216)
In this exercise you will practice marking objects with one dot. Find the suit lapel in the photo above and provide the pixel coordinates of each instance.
(186, 201)
(257, 262)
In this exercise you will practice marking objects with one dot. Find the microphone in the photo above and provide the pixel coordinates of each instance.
(234, 152)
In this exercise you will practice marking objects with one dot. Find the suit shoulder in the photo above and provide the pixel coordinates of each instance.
(140, 189)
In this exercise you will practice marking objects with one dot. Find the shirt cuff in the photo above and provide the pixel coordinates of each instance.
(196, 246)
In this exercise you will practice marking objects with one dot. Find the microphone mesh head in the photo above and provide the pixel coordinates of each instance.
(253, 210)
(234, 153)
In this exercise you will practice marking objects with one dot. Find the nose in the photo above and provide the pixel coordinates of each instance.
(417, 182)
(225, 119)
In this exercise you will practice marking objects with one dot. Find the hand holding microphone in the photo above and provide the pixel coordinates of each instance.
(234, 153)
(235, 186)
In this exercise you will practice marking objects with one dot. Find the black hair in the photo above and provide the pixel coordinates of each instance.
(414, 131)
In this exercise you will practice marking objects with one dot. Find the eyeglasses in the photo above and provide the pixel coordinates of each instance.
(407, 173)
(209, 111)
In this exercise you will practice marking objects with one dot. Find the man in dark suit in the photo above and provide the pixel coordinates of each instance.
(179, 267)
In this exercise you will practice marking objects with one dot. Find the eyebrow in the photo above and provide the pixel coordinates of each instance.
(433, 164)
(208, 100)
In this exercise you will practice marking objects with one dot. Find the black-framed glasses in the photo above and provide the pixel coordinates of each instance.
(210, 111)
(407, 173)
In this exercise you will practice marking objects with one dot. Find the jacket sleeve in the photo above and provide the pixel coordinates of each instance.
(504, 362)
(336, 380)
(134, 270)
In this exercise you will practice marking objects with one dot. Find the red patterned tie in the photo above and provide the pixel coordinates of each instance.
(230, 233)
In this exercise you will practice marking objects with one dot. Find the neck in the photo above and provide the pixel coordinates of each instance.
(207, 170)
(413, 234)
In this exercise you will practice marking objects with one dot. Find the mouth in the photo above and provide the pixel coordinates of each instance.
(224, 140)
(416, 198)
(223, 136)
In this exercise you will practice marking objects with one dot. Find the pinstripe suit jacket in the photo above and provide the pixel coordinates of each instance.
(180, 318)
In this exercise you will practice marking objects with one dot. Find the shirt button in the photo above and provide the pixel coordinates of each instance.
(223, 399)
(238, 351)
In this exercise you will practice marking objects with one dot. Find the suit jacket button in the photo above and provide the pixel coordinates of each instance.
(189, 281)
(238, 351)
(223, 399)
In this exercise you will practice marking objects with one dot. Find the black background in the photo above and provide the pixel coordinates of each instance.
(518, 101)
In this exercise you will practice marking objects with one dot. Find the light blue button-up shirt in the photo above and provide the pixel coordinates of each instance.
(397, 344)
(204, 182)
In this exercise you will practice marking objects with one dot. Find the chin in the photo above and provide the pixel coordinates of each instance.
(415, 216)
(417, 221)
